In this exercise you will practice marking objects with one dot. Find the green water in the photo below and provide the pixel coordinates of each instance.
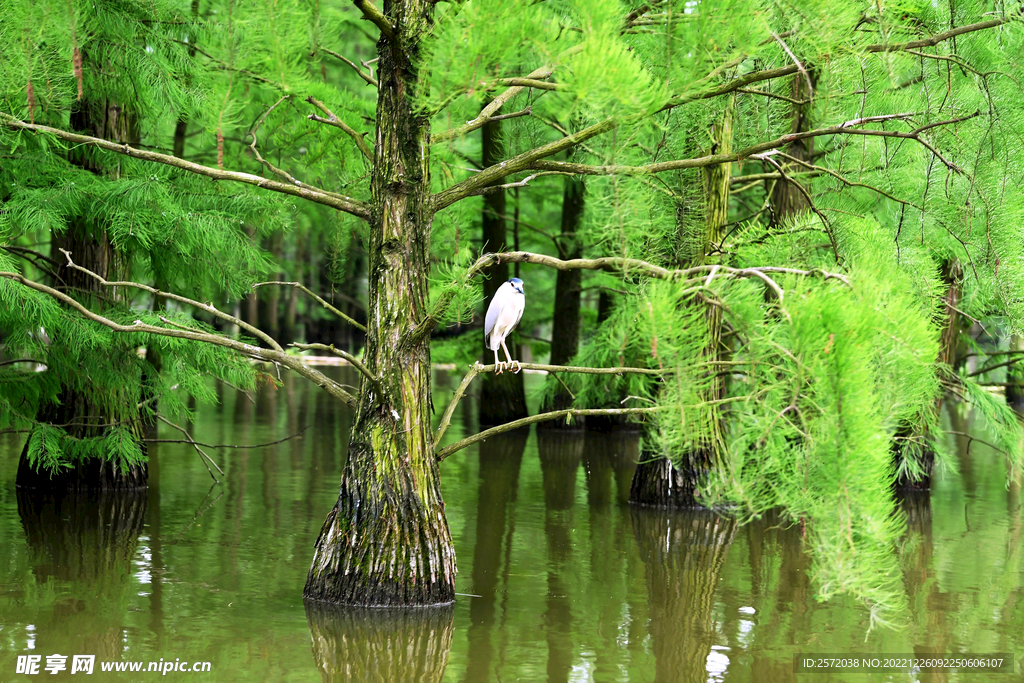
(560, 579)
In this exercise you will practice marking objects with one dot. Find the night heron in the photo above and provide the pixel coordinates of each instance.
(503, 315)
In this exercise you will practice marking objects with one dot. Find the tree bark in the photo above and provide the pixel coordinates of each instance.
(502, 397)
(787, 199)
(79, 407)
(387, 541)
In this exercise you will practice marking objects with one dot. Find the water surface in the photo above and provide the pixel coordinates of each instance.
(559, 579)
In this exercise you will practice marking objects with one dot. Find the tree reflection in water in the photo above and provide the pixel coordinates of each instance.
(87, 539)
(683, 552)
(386, 645)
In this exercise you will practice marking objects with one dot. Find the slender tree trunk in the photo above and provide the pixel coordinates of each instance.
(565, 331)
(502, 397)
(657, 482)
(387, 541)
(787, 199)
(80, 409)
(924, 456)
(1014, 375)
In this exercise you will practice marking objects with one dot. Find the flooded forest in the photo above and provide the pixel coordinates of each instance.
(572, 340)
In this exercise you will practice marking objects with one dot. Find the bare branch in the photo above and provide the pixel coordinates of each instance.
(542, 417)
(366, 77)
(336, 201)
(522, 183)
(844, 180)
(270, 167)
(940, 37)
(765, 93)
(488, 112)
(807, 76)
(341, 354)
(333, 120)
(760, 148)
(320, 300)
(373, 14)
(225, 445)
(203, 455)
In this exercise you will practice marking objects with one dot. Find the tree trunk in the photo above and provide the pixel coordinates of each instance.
(565, 331)
(787, 199)
(387, 541)
(1014, 375)
(657, 482)
(80, 409)
(950, 324)
(502, 397)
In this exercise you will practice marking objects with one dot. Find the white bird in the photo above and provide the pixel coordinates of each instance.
(503, 315)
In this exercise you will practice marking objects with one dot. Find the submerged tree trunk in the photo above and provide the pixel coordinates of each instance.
(657, 482)
(387, 541)
(84, 411)
(502, 397)
(565, 330)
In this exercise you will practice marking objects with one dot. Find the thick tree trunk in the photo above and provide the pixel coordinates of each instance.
(502, 397)
(565, 331)
(924, 458)
(657, 482)
(387, 541)
(78, 409)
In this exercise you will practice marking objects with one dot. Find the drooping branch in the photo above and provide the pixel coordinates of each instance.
(273, 355)
(542, 417)
(203, 455)
(319, 299)
(318, 196)
(333, 120)
(698, 276)
(208, 308)
(374, 15)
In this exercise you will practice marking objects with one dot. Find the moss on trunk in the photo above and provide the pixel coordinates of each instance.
(387, 541)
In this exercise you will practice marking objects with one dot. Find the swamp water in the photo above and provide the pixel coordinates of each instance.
(560, 580)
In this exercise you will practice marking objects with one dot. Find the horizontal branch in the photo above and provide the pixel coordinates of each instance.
(269, 355)
(318, 196)
(542, 417)
(940, 37)
(760, 148)
(477, 368)
(615, 265)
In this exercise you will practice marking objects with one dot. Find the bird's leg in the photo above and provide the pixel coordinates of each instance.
(513, 364)
(499, 366)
